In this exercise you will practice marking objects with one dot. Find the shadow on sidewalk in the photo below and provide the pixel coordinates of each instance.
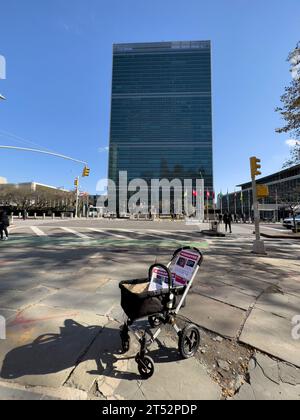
(53, 353)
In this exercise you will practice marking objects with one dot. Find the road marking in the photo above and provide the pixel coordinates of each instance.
(38, 231)
(146, 233)
(74, 232)
(277, 230)
(115, 235)
(169, 235)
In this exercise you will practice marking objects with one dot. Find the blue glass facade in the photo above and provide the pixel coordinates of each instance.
(161, 111)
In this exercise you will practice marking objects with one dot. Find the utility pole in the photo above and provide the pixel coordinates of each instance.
(258, 246)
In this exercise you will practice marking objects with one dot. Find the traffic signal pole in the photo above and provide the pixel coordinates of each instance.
(77, 197)
(258, 246)
(85, 173)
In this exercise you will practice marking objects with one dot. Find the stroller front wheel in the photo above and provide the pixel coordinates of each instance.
(154, 321)
(145, 366)
(189, 341)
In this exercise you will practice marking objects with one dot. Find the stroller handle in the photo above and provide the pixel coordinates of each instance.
(164, 267)
(186, 248)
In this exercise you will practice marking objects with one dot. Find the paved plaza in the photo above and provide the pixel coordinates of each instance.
(60, 297)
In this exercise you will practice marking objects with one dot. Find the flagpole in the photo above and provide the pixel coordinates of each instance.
(235, 203)
(207, 213)
(242, 202)
(228, 208)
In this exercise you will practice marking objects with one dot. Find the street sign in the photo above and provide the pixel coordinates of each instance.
(262, 191)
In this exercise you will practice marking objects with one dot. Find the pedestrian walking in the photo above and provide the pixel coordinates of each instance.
(4, 224)
(220, 218)
(227, 221)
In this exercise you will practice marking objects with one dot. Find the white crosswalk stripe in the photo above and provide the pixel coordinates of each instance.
(38, 231)
(74, 232)
(105, 232)
(170, 235)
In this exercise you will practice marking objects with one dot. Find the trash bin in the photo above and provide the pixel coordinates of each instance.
(214, 226)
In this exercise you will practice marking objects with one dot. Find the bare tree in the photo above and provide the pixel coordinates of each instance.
(24, 198)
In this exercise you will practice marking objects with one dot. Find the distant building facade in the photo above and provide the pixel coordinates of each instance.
(161, 112)
(284, 188)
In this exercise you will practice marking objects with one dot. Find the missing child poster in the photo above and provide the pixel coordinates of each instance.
(159, 280)
(184, 267)
(182, 271)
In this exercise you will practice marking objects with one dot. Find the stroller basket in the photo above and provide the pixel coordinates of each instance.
(137, 302)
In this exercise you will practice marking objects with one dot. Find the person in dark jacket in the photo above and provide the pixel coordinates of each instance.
(4, 224)
(227, 221)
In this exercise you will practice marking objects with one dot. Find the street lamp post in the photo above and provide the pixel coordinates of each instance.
(86, 170)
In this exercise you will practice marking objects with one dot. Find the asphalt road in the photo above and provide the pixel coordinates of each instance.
(60, 297)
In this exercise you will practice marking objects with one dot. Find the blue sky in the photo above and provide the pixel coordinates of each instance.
(59, 63)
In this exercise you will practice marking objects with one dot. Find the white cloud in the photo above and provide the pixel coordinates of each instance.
(103, 149)
(2, 67)
(292, 142)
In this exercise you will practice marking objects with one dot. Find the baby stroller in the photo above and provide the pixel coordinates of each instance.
(161, 306)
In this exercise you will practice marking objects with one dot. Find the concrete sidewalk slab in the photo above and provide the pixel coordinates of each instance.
(44, 344)
(7, 313)
(226, 294)
(120, 378)
(213, 315)
(16, 300)
(267, 383)
(249, 286)
(66, 298)
(273, 335)
(20, 395)
(99, 358)
(283, 305)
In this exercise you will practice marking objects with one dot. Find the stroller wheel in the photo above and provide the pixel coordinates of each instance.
(145, 366)
(189, 341)
(154, 321)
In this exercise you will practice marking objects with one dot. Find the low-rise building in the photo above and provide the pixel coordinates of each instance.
(284, 189)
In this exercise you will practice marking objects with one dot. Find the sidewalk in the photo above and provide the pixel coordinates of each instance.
(63, 327)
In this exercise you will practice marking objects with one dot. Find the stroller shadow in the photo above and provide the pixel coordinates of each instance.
(53, 353)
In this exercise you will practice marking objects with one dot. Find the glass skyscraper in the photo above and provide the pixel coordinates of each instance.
(161, 111)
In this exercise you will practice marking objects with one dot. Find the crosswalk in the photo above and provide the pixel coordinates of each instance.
(37, 231)
(127, 238)
(92, 233)
(74, 232)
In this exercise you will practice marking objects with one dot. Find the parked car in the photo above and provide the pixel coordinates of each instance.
(289, 223)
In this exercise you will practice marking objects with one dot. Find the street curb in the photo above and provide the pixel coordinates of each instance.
(265, 235)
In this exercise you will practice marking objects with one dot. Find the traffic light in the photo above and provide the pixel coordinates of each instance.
(76, 182)
(255, 166)
(86, 171)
